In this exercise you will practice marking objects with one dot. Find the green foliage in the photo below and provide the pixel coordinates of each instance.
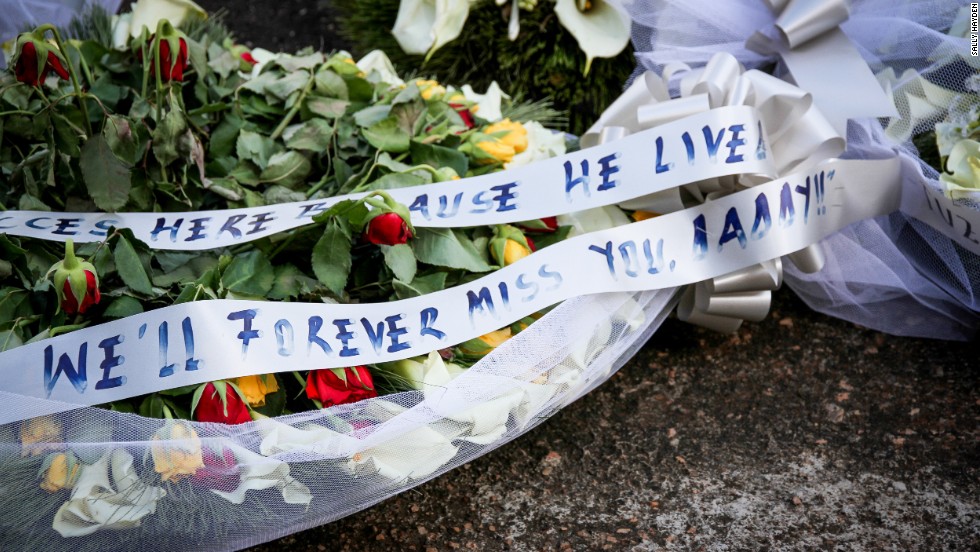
(544, 62)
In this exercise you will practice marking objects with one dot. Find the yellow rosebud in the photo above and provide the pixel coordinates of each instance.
(174, 461)
(491, 340)
(496, 149)
(514, 251)
(430, 89)
(255, 388)
(59, 474)
(516, 136)
(644, 215)
(40, 434)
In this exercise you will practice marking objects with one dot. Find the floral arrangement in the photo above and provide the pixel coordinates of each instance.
(160, 110)
(566, 50)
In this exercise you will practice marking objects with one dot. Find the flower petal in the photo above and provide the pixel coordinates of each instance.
(602, 31)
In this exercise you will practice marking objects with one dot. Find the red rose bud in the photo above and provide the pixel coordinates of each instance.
(219, 402)
(172, 67)
(464, 113)
(388, 229)
(329, 389)
(220, 472)
(247, 58)
(70, 304)
(76, 282)
(29, 70)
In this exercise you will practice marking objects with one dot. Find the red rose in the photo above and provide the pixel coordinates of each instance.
(219, 472)
(69, 303)
(172, 69)
(248, 58)
(26, 68)
(387, 229)
(211, 408)
(325, 386)
(464, 114)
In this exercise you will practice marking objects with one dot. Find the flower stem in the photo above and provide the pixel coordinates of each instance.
(71, 72)
(296, 107)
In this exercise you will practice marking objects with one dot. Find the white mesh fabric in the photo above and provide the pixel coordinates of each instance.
(341, 459)
(892, 274)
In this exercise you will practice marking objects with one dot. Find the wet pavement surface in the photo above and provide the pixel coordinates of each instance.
(801, 432)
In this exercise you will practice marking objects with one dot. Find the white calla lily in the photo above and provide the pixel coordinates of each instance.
(964, 162)
(541, 144)
(377, 61)
(591, 220)
(599, 26)
(146, 13)
(487, 104)
(258, 472)
(424, 26)
(99, 501)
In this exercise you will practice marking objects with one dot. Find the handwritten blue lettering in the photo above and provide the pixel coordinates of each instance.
(345, 336)
(429, 316)
(247, 334)
(76, 376)
(111, 360)
(161, 226)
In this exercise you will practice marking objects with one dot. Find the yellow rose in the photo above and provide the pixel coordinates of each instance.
(430, 89)
(38, 435)
(496, 149)
(486, 342)
(174, 461)
(516, 136)
(255, 388)
(61, 473)
(514, 251)
(644, 215)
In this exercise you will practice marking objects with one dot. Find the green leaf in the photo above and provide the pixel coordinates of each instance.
(421, 285)
(10, 339)
(290, 283)
(358, 89)
(223, 138)
(439, 156)
(287, 168)
(314, 135)
(329, 83)
(392, 181)
(66, 137)
(288, 84)
(371, 115)
(122, 307)
(328, 108)
(254, 147)
(331, 256)
(166, 137)
(130, 267)
(118, 133)
(386, 135)
(409, 115)
(450, 248)
(10, 300)
(107, 179)
(250, 273)
(401, 260)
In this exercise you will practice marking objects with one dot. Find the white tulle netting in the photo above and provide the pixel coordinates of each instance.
(893, 274)
(277, 476)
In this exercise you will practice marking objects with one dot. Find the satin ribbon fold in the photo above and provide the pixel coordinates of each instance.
(798, 136)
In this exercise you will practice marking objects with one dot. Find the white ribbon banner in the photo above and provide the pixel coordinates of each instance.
(192, 343)
(721, 142)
